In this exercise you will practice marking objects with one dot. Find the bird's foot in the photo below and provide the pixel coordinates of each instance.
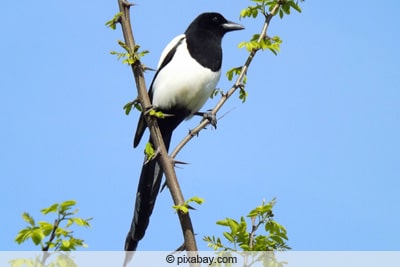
(210, 116)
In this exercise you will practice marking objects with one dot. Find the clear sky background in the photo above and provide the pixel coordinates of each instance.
(320, 129)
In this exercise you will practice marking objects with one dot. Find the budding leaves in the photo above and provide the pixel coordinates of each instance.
(128, 106)
(131, 55)
(257, 43)
(266, 6)
(28, 218)
(286, 7)
(59, 236)
(186, 206)
(52, 208)
(149, 151)
(112, 23)
(241, 234)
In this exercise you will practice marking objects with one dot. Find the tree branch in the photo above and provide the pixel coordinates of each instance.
(238, 84)
(163, 159)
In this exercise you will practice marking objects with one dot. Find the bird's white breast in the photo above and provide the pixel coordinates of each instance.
(183, 82)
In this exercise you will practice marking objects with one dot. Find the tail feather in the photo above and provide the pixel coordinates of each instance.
(141, 127)
(149, 181)
(148, 188)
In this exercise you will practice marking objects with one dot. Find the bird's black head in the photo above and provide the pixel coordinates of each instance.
(213, 23)
(204, 36)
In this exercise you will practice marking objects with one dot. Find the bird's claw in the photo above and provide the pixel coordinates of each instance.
(210, 116)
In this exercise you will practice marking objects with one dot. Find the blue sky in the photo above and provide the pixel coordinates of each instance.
(319, 131)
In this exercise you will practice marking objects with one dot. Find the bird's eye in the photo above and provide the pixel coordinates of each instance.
(215, 19)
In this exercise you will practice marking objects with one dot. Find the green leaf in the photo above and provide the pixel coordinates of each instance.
(80, 222)
(149, 151)
(277, 239)
(131, 55)
(66, 205)
(245, 247)
(37, 236)
(65, 244)
(286, 8)
(295, 6)
(62, 232)
(181, 208)
(251, 11)
(234, 71)
(280, 13)
(223, 222)
(243, 95)
(228, 236)
(128, 107)
(52, 208)
(216, 91)
(46, 228)
(23, 235)
(233, 225)
(28, 218)
(113, 22)
(242, 226)
(198, 200)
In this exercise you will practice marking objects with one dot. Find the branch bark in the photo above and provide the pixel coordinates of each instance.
(164, 160)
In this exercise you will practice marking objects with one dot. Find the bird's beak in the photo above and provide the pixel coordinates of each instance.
(232, 26)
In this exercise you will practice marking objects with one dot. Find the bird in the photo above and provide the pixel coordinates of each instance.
(188, 71)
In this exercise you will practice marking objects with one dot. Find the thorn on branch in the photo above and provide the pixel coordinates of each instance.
(193, 134)
(180, 248)
(148, 68)
(175, 162)
(127, 4)
(140, 66)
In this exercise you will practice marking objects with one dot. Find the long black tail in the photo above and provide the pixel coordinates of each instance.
(150, 181)
(148, 188)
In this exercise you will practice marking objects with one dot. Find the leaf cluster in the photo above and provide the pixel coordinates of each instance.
(112, 23)
(266, 7)
(60, 261)
(236, 72)
(240, 237)
(129, 56)
(257, 43)
(128, 106)
(60, 238)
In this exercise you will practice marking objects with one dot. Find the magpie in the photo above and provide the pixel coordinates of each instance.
(188, 71)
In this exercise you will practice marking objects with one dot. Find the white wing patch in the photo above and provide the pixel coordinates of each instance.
(169, 47)
(183, 82)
